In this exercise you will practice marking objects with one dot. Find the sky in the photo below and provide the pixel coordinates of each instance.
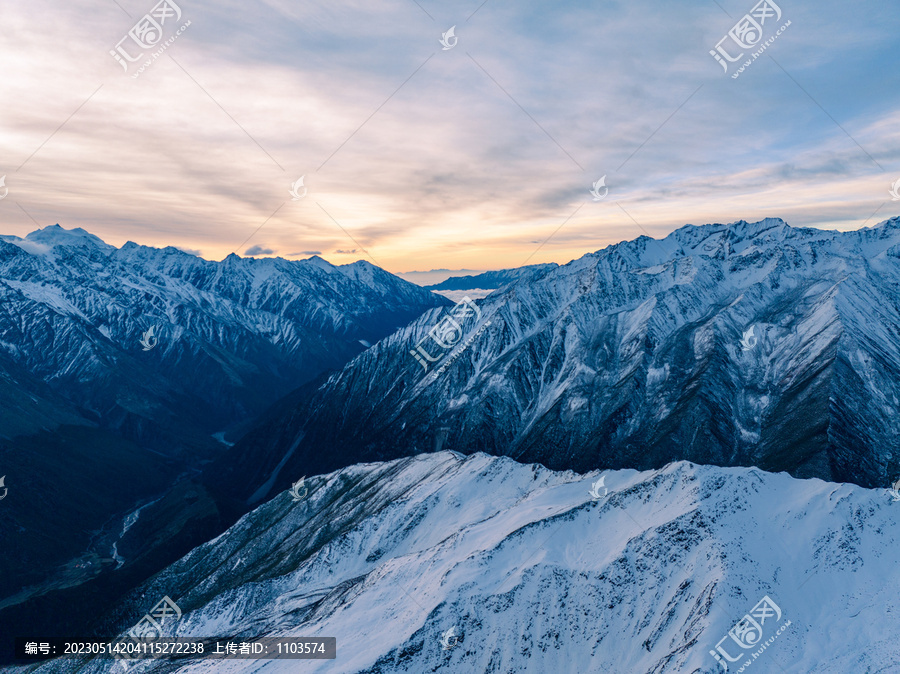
(478, 156)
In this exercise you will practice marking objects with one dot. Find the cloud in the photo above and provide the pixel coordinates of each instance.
(428, 158)
(189, 251)
(258, 250)
(306, 252)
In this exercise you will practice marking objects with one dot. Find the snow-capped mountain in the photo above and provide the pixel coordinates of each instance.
(228, 338)
(621, 573)
(746, 344)
(99, 418)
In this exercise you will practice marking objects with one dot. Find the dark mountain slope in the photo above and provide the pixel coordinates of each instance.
(748, 344)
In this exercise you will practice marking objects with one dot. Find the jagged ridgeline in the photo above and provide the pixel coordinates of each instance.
(166, 347)
(445, 563)
(744, 344)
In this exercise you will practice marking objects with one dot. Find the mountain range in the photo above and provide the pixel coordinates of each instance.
(755, 344)
(732, 346)
(229, 338)
(103, 424)
(413, 569)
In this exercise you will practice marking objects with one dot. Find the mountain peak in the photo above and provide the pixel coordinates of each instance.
(319, 262)
(890, 223)
(54, 235)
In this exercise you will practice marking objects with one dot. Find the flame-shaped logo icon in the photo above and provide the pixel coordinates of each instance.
(895, 492)
(299, 490)
(895, 190)
(6, 189)
(596, 189)
(296, 194)
(749, 340)
(148, 339)
(2, 479)
(449, 639)
(595, 489)
(449, 39)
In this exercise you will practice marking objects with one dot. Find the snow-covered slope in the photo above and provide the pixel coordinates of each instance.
(231, 336)
(92, 425)
(536, 575)
(747, 344)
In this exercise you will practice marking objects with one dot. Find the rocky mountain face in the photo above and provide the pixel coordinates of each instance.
(229, 338)
(102, 424)
(413, 569)
(747, 344)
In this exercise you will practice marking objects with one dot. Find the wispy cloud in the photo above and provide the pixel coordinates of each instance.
(458, 158)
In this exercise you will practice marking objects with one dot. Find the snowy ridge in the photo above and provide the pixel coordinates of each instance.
(540, 577)
(232, 336)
